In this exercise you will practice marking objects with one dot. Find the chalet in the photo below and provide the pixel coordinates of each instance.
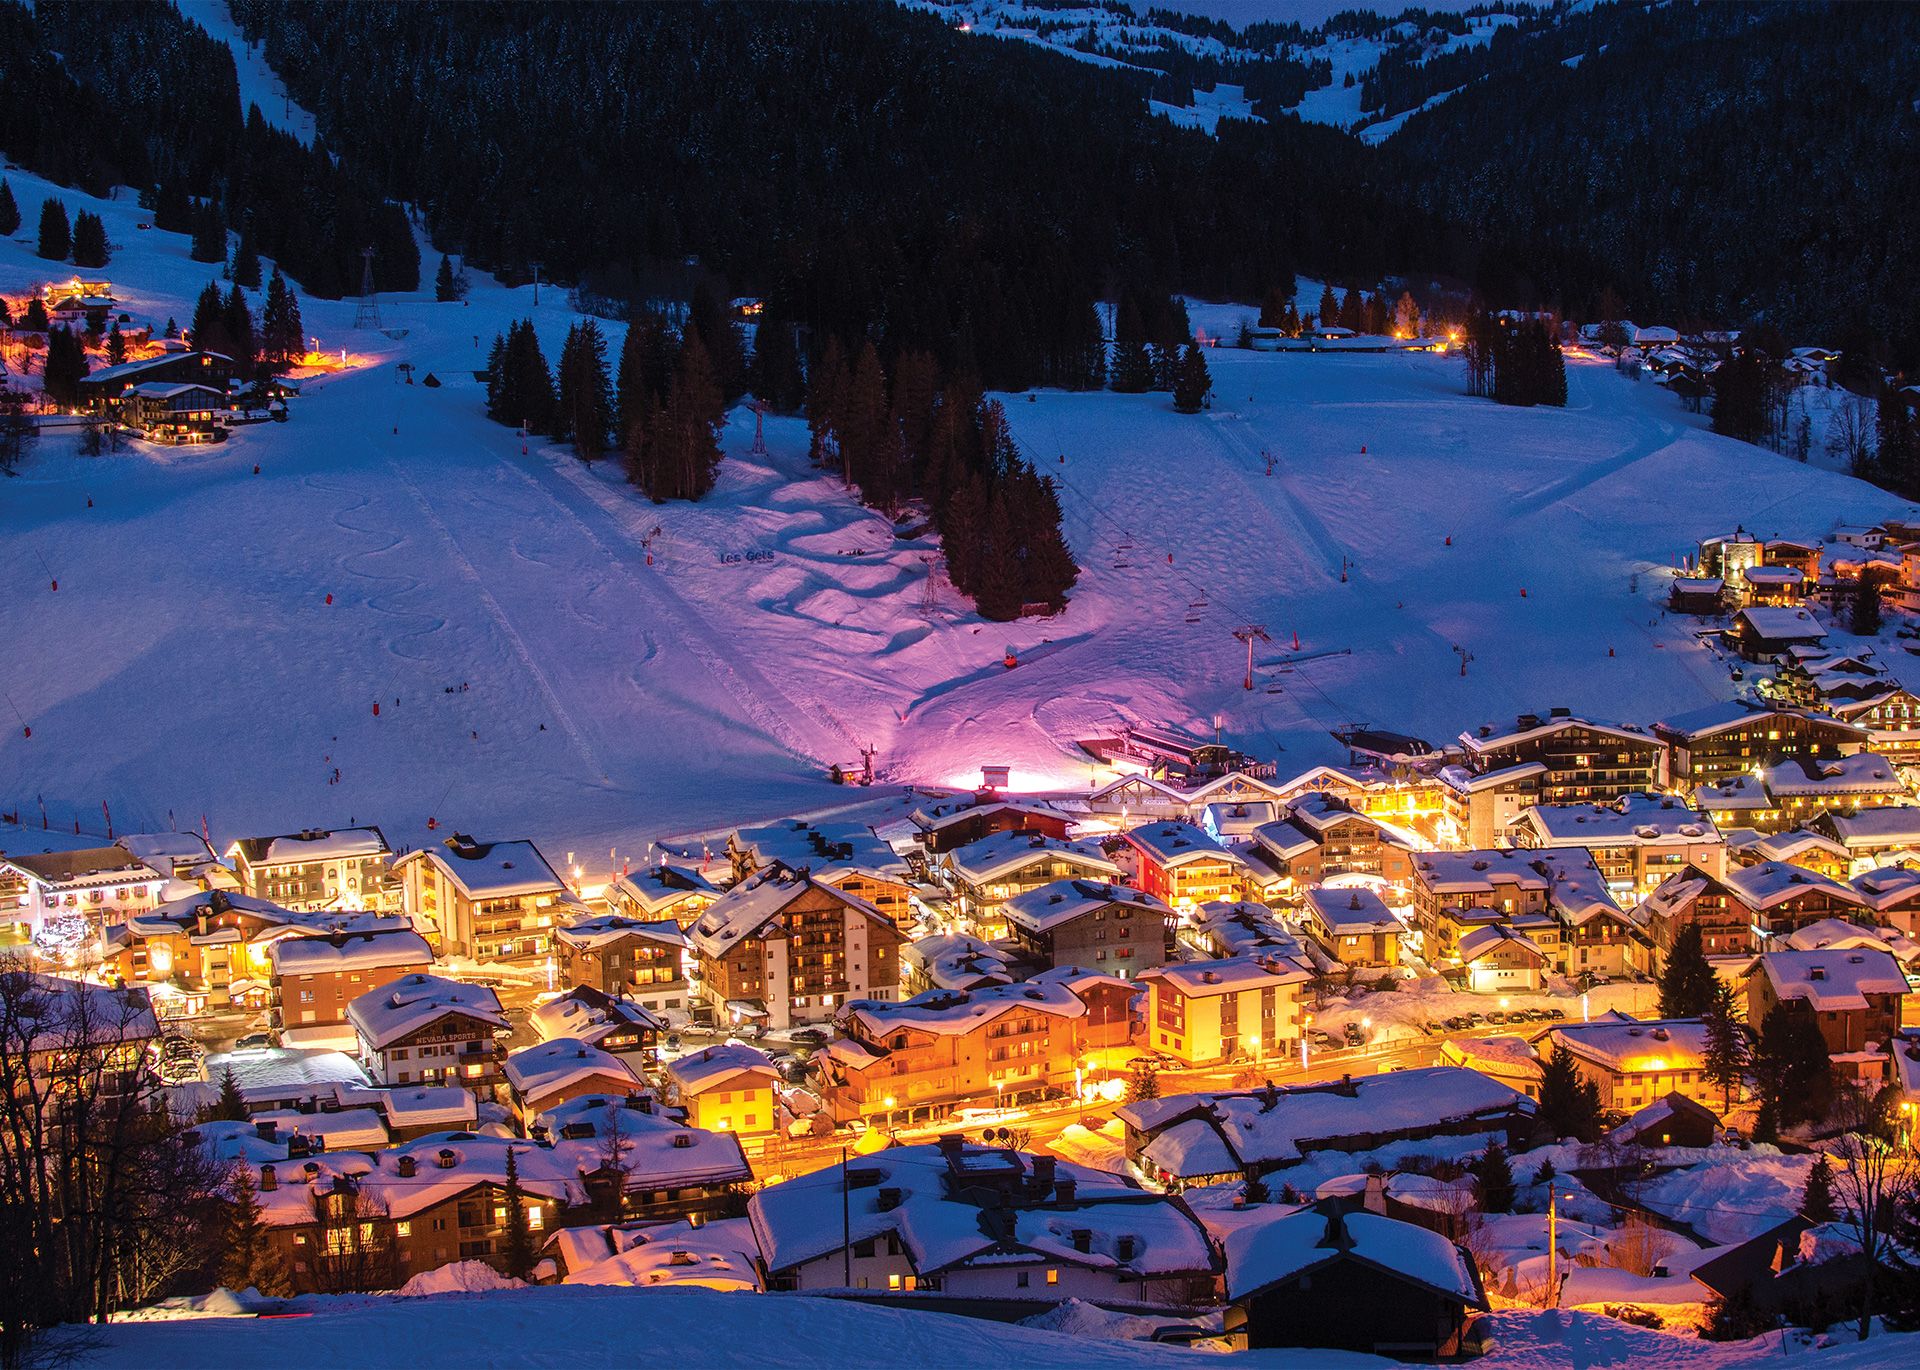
(982, 1222)
(617, 1026)
(317, 868)
(1224, 928)
(946, 1049)
(1769, 634)
(1873, 837)
(1503, 881)
(1354, 1281)
(1797, 847)
(1674, 1120)
(1637, 841)
(726, 1088)
(1773, 585)
(627, 959)
(848, 857)
(1735, 738)
(426, 1030)
(491, 901)
(100, 391)
(1633, 1063)
(1409, 800)
(984, 875)
(1696, 898)
(1785, 793)
(1184, 867)
(1354, 924)
(1698, 596)
(1891, 716)
(557, 1071)
(1498, 960)
(1890, 897)
(1584, 759)
(1726, 555)
(1832, 682)
(1200, 1139)
(1319, 837)
(75, 1034)
(955, 823)
(94, 886)
(316, 978)
(784, 949)
(178, 413)
(953, 960)
(1212, 1012)
(1505, 1057)
(1108, 927)
(720, 1255)
(208, 947)
(1789, 1271)
(1140, 795)
(663, 891)
(1853, 994)
(1233, 822)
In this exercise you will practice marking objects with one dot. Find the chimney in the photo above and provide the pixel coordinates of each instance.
(889, 1198)
(265, 1130)
(1125, 1247)
(683, 1140)
(407, 1165)
(1063, 1190)
(445, 1160)
(1044, 1170)
(1375, 1198)
(1082, 1239)
(269, 1180)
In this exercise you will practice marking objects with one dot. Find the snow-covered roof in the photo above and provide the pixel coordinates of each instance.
(827, 850)
(699, 1071)
(1062, 901)
(1229, 975)
(344, 1129)
(1263, 1254)
(590, 1015)
(1464, 781)
(937, 817)
(1352, 912)
(163, 390)
(1833, 980)
(1838, 934)
(956, 1013)
(941, 1204)
(54, 1013)
(1634, 820)
(445, 1106)
(393, 1011)
(125, 370)
(541, 1069)
(1285, 839)
(1265, 1128)
(1530, 727)
(955, 960)
(1479, 871)
(1002, 854)
(659, 888)
(714, 1255)
(656, 1151)
(592, 934)
(1766, 883)
(491, 870)
(314, 844)
(1490, 937)
(83, 868)
(746, 909)
(1628, 1045)
(1886, 887)
(1176, 844)
(341, 952)
(1781, 624)
(1812, 777)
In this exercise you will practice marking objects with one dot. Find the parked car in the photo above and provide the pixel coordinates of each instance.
(809, 1034)
(255, 1041)
(1355, 1036)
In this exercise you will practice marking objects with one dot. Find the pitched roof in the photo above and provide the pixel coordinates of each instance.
(1176, 843)
(699, 1071)
(1002, 854)
(750, 906)
(1062, 901)
(1833, 980)
(1294, 1243)
(314, 844)
(552, 1065)
(393, 1011)
(491, 870)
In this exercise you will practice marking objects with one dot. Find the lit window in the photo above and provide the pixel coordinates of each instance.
(1053, 1275)
(893, 1281)
(403, 1229)
(536, 1217)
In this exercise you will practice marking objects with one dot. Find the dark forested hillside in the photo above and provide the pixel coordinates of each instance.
(1722, 162)
(862, 166)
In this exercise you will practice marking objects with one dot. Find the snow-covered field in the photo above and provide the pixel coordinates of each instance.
(190, 665)
(570, 1326)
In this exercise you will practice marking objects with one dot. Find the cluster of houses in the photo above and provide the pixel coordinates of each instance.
(1686, 362)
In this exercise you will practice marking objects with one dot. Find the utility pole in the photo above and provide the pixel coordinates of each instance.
(1249, 634)
(1553, 1247)
(536, 282)
(368, 313)
(846, 1223)
(1465, 657)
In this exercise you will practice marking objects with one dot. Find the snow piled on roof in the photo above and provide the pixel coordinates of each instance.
(392, 1011)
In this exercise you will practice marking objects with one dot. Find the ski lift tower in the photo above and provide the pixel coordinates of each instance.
(1250, 634)
(759, 448)
(368, 313)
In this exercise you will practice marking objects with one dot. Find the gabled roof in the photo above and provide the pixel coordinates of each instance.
(1634, 820)
(1176, 844)
(1625, 1044)
(314, 844)
(348, 952)
(933, 818)
(1062, 901)
(591, 1015)
(1261, 1255)
(1779, 624)
(1481, 871)
(1001, 854)
(491, 870)
(1490, 937)
(1229, 975)
(749, 907)
(592, 934)
(946, 1013)
(1529, 727)
(89, 866)
(1833, 980)
(699, 1071)
(394, 1011)
(548, 1066)
(1352, 912)
(658, 888)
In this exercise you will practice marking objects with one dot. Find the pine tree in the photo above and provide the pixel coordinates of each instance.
(1816, 1200)
(497, 378)
(681, 454)
(1863, 609)
(998, 577)
(1686, 980)
(526, 393)
(826, 393)
(9, 212)
(518, 1253)
(116, 345)
(1406, 316)
(1329, 314)
(230, 1107)
(209, 233)
(34, 317)
(247, 1257)
(445, 288)
(1132, 370)
(1192, 382)
(1273, 308)
(208, 331)
(963, 531)
(1143, 1080)
(585, 400)
(1740, 398)
(1494, 1176)
(862, 429)
(1569, 1105)
(245, 268)
(56, 240)
(89, 240)
(1726, 1054)
(1791, 1071)
(646, 370)
(237, 319)
(709, 316)
(282, 337)
(65, 367)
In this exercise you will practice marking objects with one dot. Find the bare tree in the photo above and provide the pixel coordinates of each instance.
(353, 1241)
(1873, 1179)
(104, 1200)
(1850, 434)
